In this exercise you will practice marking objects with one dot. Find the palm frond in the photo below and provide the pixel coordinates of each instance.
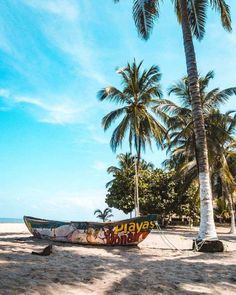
(139, 95)
(146, 97)
(177, 8)
(226, 93)
(112, 170)
(107, 210)
(119, 133)
(97, 211)
(166, 106)
(204, 81)
(197, 17)
(181, 90)
(109, 216)
(111, 93)
(224, 9)
(145, 13)
(215, 97)
(112, 116)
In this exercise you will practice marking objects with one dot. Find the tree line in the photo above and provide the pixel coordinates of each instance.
(144, 118)
(191, 16)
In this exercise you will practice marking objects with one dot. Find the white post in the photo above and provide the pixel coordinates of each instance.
(207, 228)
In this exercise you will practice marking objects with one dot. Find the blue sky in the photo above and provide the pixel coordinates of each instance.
(55, 55)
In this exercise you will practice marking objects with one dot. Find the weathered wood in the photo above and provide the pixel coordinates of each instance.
(45, 252)
(120, 233)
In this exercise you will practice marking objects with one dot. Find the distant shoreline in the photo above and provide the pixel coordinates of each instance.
(11, 220)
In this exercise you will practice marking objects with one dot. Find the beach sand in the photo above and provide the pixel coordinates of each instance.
(152, 268)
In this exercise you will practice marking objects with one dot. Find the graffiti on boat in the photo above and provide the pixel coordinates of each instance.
(131, 232)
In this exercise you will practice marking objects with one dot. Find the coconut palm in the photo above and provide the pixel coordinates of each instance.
(126, 167)
(126, 162)
(191, 15)
(220, 129)
(180, 118)
(231, 161)
(225, 178)
(126, 170)
(139, 93)
(220, 157)
(105, 215)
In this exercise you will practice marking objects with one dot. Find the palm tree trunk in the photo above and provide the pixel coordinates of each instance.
(232, 215)
(136, 194)
(207, 225)
(136, 197)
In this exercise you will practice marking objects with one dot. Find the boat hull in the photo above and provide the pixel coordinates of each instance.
(120, 233)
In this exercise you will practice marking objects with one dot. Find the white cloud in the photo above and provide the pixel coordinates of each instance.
(61, 114)
(89, 199)
(100, 166)
(100, 139)
(58, 205)
(66, 34)
(77, 205)
(75, 40)
(29, 100)
(4, 93)
(4, 43)
(81, 49)
(97, 134)
(62, 8)
(53, 113)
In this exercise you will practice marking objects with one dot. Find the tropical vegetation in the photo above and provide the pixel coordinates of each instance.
(220, 129)
(138, 96)
(191, 16)
(159, 192)
(175, 190)
(104, 215)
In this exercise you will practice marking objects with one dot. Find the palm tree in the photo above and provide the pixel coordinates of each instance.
(126, 170)
(192, 17)
(126, 162)
(220, 129)
(138, 96)
(226, 178)
(105, 215)
(231, 160)
(179, 118)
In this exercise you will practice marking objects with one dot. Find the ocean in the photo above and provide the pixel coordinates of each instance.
(11, 220)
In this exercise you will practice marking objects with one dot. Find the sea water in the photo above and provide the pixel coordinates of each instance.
(11, 220)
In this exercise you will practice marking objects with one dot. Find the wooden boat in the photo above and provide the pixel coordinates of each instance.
(124, 232)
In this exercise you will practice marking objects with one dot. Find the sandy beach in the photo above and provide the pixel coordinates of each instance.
(154, 267)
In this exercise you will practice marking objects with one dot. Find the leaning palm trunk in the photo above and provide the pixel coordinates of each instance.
(207, 225)
(229, 197)
(136, 190)
(136, 193)
(232, 228)
(232, 215)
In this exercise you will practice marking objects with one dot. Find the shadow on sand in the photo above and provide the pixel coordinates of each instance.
(109, 270)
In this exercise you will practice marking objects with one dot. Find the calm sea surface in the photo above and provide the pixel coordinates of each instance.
(11, 220)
